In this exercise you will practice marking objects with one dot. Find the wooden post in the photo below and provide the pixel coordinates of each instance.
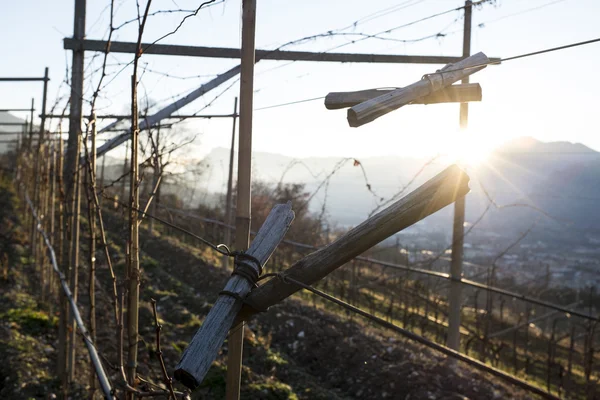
(203, 348)
(372, 109)
(228, 205)
(243, 213)
(455, 298)
(70, 258)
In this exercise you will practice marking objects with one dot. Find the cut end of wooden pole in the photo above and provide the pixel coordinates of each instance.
(186, 379)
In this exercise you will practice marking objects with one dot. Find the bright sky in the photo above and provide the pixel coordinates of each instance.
(550, 97)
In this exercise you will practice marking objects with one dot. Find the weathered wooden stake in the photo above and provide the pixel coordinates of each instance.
(438, 192)
(372, 109)
(205, 345)
(452, 94)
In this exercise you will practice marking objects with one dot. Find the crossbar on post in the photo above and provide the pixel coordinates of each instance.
(280, 55)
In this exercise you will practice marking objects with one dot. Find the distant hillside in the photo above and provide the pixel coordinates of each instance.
(560, 178)
(9, 132)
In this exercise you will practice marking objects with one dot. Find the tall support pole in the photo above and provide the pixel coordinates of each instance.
(70, 254)
(243, 216)
(228, 205)
(459, 217)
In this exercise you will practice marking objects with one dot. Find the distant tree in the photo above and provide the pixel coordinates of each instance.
(306, 228)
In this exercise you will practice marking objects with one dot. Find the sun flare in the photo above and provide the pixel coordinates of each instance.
(468, 148)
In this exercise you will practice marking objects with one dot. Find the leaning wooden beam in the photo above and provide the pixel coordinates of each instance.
(203, 348)
(452, 94)
(166, 112)
(372, 109)
(435, 194)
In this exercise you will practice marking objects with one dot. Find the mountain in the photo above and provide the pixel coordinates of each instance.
(561, 179)
(9, 132)
(553, 183)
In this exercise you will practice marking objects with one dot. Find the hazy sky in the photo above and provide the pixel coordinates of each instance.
(550, 97)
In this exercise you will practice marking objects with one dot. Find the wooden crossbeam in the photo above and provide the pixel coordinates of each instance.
(372, 109)
(451, 94)
(228, 52)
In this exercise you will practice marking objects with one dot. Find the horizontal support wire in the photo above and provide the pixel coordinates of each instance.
(417, 338)
(100, 373)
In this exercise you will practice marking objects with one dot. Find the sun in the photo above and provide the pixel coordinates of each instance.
(467, 148)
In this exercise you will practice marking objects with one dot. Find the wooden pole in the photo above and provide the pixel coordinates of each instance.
(451, 94)
(243, 213)
(71, 175)
(228, 205)
(438, 192)
(455, 300)
(203, 348)
(261, 54)
(370, 110)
